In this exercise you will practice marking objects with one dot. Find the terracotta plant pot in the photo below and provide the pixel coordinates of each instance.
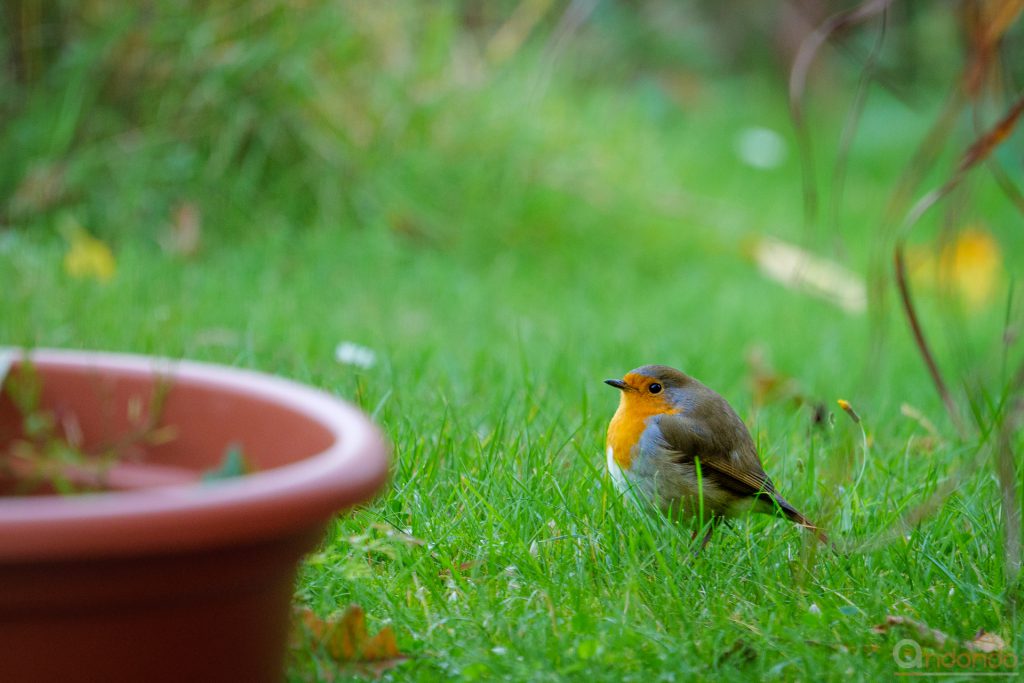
(173, 578)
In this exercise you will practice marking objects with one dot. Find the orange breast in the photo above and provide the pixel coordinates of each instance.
(628, 424)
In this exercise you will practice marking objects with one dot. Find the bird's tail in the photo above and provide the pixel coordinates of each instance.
(794, 515)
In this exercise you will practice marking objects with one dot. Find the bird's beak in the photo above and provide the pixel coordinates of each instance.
(617, 383)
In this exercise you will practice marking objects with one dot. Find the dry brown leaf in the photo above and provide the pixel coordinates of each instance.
(983, 641)
(924, 634)
(383, 646)
(345, 639)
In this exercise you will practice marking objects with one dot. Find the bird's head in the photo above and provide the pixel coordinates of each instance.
(651, 389)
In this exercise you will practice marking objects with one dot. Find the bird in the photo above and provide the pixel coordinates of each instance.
(678, 444)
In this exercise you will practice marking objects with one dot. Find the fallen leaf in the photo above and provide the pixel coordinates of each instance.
(86, 257)
(382, 646)
(345, 639)
(804, 272)
(924, 634)
(984, 641)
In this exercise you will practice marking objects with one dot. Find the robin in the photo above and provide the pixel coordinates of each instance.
(677, 443)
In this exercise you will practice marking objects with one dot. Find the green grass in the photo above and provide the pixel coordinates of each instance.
(502, 258)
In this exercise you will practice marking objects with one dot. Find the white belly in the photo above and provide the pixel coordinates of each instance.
(618, 476)
(638, 483)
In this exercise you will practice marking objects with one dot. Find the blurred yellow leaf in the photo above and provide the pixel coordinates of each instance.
(86, 257)
(971, 266)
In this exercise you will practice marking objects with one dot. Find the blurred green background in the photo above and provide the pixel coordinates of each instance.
(463, 216)
(423, 120)
(549, 147)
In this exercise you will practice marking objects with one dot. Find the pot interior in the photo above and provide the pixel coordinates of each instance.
(163, 429)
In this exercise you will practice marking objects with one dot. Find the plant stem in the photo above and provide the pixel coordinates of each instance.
(922, 345)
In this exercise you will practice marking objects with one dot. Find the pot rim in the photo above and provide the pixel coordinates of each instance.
(288, 499)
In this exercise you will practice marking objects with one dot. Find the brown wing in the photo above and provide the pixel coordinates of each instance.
(688, 439)
(743, 475)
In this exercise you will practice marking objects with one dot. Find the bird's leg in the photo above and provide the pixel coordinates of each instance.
(715, 521)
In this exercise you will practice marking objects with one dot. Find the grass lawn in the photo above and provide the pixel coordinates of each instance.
(510, 260)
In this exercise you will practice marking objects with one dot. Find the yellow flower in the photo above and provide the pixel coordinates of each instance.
(87, 256)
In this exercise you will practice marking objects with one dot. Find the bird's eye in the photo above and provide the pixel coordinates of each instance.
(654, 388)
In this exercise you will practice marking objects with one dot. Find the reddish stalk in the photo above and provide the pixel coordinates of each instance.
(922, 344)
